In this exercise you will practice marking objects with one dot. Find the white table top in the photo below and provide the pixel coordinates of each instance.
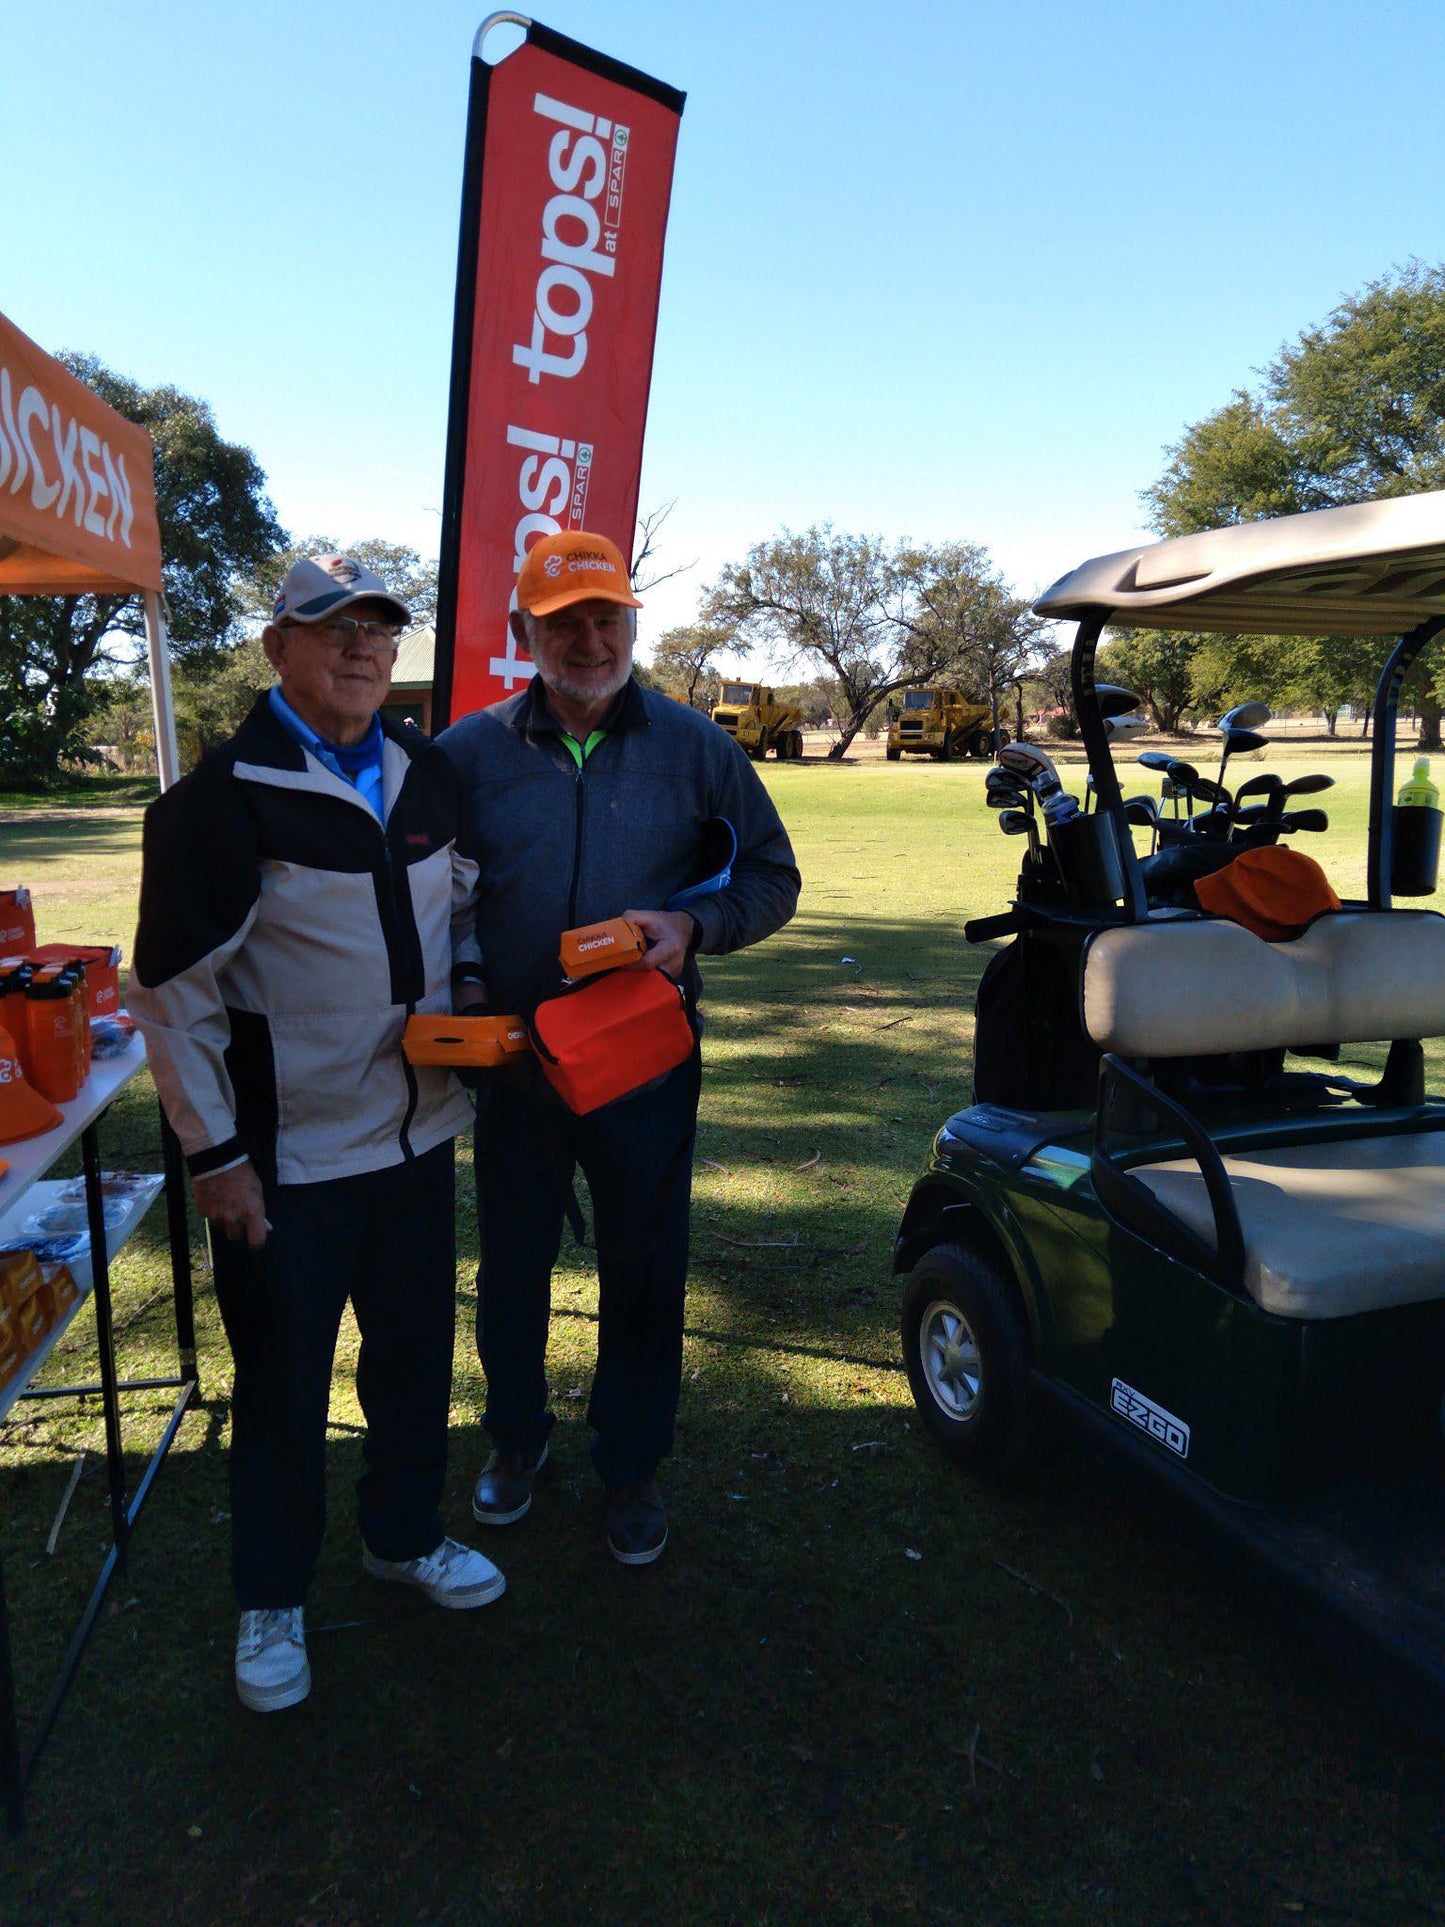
(32, 1157)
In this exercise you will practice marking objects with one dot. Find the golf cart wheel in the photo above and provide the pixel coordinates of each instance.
(892, 754)
(966, 1347)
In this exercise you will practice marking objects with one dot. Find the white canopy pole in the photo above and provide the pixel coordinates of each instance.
(168, 759)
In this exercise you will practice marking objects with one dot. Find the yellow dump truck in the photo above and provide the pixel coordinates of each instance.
(941, 723)
(752, 714)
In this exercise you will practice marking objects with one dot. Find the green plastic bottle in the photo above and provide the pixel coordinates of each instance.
(1419, 792)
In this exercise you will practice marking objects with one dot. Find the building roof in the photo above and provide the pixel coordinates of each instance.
(415, 660)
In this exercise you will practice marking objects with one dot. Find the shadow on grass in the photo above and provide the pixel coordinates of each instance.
(84, 792)
(854, 1679)
(80, 833)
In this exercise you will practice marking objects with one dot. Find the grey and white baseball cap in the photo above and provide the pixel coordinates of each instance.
(321, 586)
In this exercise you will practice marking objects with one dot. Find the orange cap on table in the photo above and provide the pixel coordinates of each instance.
(1272, 891)
(573, 566)
(23, 1111)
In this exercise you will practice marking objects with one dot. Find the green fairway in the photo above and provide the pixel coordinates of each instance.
(859, 1687)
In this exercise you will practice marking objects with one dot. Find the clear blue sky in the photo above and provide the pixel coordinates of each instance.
(945, 271)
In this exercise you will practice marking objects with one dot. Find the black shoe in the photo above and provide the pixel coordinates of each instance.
(636, 1523)
(503, 1492)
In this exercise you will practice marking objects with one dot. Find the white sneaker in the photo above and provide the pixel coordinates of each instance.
(452, 1576)
(271, 1665)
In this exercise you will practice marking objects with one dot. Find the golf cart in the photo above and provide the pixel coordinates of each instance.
(1157, 1219)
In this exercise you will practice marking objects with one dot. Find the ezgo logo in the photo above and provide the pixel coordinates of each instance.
(1149, 1417)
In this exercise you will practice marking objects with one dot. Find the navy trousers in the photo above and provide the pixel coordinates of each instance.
(637, 1158)
(387, 1241)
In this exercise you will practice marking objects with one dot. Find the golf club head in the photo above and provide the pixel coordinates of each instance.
(1028, 761)
(1239, 742)
(1178, 771)
(1215, 794)
(1245, 716)
(1308, 785)
(1142, 810)
(1155, 759)
(1015, 822)
(1269, 786)
(1114, 699)
(998, 779)
(1007, 796)
(1304, 820)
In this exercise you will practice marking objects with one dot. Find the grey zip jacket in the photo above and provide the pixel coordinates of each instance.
(285, 937)
(558, 846)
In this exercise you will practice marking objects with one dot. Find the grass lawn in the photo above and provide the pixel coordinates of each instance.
(858, 1688)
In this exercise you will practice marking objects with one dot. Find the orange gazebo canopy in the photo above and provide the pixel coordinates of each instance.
(77, 483)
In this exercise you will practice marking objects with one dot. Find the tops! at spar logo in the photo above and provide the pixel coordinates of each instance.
(581, 228)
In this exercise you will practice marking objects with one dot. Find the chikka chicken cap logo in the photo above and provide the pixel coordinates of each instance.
(582, 560)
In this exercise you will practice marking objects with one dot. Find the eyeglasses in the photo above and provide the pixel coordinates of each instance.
(345, 632)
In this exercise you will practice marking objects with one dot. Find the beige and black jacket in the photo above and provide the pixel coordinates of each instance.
(284, 939)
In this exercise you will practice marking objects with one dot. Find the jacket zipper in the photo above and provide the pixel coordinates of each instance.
(577, 845)
(412, 1092)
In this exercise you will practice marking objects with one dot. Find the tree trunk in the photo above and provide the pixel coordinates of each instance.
(1331, 718)
(850, 729)
(1429, 720)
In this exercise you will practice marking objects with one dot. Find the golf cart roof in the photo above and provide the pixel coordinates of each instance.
(1374, 568)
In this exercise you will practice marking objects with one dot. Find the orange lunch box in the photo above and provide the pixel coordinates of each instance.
(600, 946)
(464, 1043)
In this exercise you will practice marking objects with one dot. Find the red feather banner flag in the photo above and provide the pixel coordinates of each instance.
(564, 209)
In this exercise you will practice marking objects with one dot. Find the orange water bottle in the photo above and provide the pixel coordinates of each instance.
(81, 972)
(50, 1035)
(71, 978)
(15, 974)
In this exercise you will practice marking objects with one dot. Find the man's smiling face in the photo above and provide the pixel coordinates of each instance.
(583, 653)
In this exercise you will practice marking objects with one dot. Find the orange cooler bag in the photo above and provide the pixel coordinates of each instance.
(612, 1036)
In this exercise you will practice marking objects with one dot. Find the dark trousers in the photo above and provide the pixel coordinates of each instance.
(637, 1157)
(387, 1241)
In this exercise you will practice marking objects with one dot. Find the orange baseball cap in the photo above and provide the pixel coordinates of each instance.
(1272, 891)
(573, 566)
(23, 1111)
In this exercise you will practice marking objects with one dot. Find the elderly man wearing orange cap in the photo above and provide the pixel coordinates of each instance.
(301, 895)
(588, 797)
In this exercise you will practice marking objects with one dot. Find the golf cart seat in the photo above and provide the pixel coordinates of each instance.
(1330, 1229)
(1331, 1226)
(1182, 986)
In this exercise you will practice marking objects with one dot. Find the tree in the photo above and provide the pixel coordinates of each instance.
(405, 572)
(216, 526)
(213, 699)
(875, 619)
(647, 542)
(988, 636)
(1353, 409)
(683, 659)
(1157, 664)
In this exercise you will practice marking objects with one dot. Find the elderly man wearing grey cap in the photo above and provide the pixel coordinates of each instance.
(301, 896)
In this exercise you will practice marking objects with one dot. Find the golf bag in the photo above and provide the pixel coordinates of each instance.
(1030, 1049)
